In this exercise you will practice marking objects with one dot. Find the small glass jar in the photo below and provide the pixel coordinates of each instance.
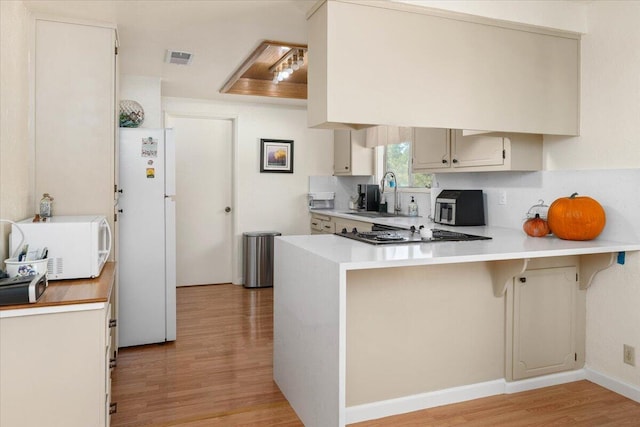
(46, 204)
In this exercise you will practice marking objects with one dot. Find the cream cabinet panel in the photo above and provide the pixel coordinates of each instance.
(325, 224)
(341, 223)
(481, 152)
(75, 116)
(430, 149)
(55, 369)
(545, 321)
(351, 156)
(477, 150)
(322, 224)
(342, 152)
(440, 70)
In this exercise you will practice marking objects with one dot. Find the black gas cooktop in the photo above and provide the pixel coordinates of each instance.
(386, 237)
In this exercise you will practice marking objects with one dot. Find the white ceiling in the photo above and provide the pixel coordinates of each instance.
(219, 33)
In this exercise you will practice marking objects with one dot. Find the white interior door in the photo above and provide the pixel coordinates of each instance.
(203, 193)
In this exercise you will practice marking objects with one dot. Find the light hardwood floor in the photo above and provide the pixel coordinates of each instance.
(219, 373)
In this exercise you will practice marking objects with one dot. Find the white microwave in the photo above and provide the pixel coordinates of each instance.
(77, 246)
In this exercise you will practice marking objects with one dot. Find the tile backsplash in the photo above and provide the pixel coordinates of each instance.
(345, 187)
(615, 189)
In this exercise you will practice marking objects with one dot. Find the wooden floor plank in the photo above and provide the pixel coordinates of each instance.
(219, 373)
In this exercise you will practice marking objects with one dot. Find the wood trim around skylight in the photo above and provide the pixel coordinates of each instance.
(253, 77)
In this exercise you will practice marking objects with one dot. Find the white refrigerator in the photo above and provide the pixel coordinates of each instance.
(147, 237)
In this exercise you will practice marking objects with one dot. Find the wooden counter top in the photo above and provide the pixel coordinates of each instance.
(76, 291)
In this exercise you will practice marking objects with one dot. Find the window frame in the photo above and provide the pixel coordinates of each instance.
(380, 169)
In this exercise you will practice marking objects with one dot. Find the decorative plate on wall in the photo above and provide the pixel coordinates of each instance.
(131, 114)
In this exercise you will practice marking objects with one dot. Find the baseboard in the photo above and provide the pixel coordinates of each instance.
(627, 390)
(545, 381)
(416, 402)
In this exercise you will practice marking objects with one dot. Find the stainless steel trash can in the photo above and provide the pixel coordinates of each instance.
(258, 258)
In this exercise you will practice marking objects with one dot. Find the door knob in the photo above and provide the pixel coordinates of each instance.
(227, 209)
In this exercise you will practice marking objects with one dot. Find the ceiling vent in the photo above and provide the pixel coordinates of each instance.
(175, 57)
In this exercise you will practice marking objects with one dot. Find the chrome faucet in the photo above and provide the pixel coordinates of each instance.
(396, 200)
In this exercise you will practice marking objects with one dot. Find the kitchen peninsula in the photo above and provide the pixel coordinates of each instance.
(364, 331)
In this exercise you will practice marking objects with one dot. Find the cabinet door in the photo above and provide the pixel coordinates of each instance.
(63, 355)
(342, 152)
(75, 117)
(476, 150)
(351, 155)
(430, 149)
(544, 322)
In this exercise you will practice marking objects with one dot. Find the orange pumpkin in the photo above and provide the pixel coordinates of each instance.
(536, 227)
(576, 218)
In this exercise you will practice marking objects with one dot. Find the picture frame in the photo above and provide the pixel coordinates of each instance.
(276, 155)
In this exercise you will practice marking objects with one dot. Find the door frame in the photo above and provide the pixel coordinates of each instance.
(235, 242)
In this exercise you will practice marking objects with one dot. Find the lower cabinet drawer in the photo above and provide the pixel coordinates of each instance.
(316, 224)
(329, 227)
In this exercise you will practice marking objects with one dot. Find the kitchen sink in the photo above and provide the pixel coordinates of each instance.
(373, 214)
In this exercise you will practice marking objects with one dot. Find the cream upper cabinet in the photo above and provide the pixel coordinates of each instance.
(477, 150)
(547, 326)
(350, 154)
(443, 150)
(430, 149)
(437, 69)
(75, 116)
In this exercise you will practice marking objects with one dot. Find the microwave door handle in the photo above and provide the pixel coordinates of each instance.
(109, 239)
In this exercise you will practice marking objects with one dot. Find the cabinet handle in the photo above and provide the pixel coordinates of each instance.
(346, 168)
(444, 161)
(327, 227)
(113, 323)
(455, 160)
(113, 408)
(314, 223)
(113, 363)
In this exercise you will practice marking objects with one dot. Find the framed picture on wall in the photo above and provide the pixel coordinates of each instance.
(276, 155)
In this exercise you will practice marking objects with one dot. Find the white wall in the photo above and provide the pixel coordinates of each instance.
(610, 97)
(609, 141)
(16, 147)
(145, 91)
(266, 201)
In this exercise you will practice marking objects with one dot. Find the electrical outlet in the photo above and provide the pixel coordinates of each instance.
(502, 197)
(629, 355)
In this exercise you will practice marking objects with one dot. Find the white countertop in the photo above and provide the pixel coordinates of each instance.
(505, 244)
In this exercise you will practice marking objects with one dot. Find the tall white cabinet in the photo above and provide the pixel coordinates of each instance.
(75, 116)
